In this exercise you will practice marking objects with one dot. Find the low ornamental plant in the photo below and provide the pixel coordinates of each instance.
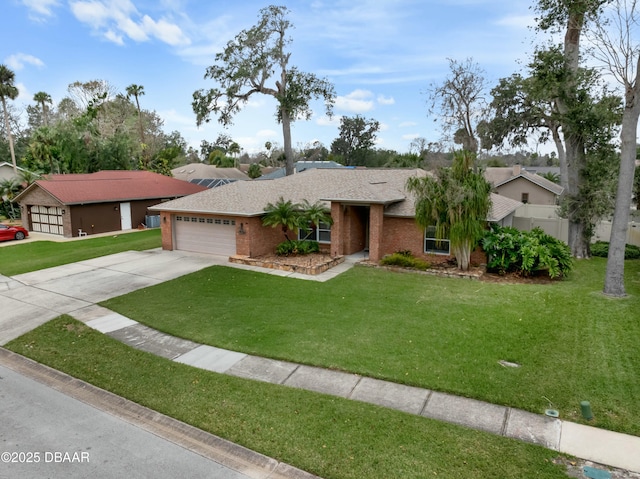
(526, 252)
(297, 247)
(404, 259)
(601, 249)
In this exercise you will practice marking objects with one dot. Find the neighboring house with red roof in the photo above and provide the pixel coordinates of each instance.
(371, 210)
(74, 204)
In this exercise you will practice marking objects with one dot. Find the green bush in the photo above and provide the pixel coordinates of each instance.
(297, 247)
(601, 249)
(526, 252)
(404, 259)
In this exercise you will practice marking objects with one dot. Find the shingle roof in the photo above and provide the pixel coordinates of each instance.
(200, 170)
(500, 176)
(501, 207)
(299, 167)
(118, 185)
(366, 186)
(249, 198)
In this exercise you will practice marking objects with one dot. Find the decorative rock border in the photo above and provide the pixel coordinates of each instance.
(294, 268)
(475, 274)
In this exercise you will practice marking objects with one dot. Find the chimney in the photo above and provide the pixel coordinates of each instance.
(517, 169)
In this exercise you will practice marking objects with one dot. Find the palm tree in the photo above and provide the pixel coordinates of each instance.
(137, 91)
(43, 98)
(285, 214)
(9, 188)
(43, 147)
(8, 90)
(316, 214)
(457, 201)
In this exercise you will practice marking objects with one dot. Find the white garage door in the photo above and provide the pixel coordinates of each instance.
(205, 234)
(47, 219)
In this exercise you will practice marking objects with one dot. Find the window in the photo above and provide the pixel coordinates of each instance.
(178, 218)
(432, 245)
(201, 220)
(210, 221)
(321, 234)
(194, 220)
(525, 198)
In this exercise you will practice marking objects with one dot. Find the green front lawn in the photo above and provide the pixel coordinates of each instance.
(331, 437)
(25, 257)
(572, 343)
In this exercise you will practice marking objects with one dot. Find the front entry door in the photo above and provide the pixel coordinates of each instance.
(125, 216)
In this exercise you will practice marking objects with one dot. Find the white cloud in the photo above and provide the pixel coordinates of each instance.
(18, 61)
(410, 136)
(117, 19)
(516, 21)
(24, 94)
(358, 101)
(406, 124)
(39, 9)
(266, 133)
(326, 121)
(386, 101)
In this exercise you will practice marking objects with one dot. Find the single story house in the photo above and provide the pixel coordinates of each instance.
(299, 167)
(78, 204)
(520, 185)
(7, 173)
(208, 175)
(370, 208)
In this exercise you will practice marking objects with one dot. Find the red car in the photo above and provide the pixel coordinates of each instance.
(8, 232)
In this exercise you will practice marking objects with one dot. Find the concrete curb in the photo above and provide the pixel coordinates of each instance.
(233, 456)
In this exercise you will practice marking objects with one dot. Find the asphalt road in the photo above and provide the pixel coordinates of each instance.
(46, 434)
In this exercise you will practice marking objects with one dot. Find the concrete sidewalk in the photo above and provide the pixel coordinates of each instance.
(31, 299)
(586, 442)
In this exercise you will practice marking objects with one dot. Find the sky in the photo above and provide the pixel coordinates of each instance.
(382, 56)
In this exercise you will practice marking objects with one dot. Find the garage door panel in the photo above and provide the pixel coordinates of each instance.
(47, 219)
(205, 235)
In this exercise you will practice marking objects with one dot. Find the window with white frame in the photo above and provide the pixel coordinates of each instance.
(321, 233)
(433, 245)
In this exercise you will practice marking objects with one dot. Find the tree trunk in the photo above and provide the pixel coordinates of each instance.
(576, 162)
(463, 255)
(562, 157)
(288, 149)
(574, 145)
(614, 277)
(9, 136)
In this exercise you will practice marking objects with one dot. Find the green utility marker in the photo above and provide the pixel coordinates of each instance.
(586, 410)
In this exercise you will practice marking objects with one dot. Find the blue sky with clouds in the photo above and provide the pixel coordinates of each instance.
(381, 55)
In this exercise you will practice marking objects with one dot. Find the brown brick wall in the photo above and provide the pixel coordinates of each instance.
(166, 230)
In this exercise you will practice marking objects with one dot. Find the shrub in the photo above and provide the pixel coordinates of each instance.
(297, 247)
(601, 249)
(404, 259)
(526, 252)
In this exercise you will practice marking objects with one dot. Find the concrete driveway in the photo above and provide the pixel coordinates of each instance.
(31, 299)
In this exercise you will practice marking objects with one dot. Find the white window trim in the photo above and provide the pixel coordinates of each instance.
(314, 234)
(429, 236)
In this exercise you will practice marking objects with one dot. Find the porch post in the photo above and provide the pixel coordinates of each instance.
(376, 216)
(337, 230)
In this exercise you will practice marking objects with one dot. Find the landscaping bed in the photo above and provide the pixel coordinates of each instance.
(311, 264)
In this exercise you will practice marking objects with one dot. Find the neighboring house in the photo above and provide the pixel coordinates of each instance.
(209, 176)
(6, 171)
(299, 167)
(73, 205)
(520, 185)
(371, 210)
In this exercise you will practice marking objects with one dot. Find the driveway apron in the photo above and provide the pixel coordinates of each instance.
(31, 299)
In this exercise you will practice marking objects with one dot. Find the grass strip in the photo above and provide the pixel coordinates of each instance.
(571, 342)
(330, 437)
(26, 257)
